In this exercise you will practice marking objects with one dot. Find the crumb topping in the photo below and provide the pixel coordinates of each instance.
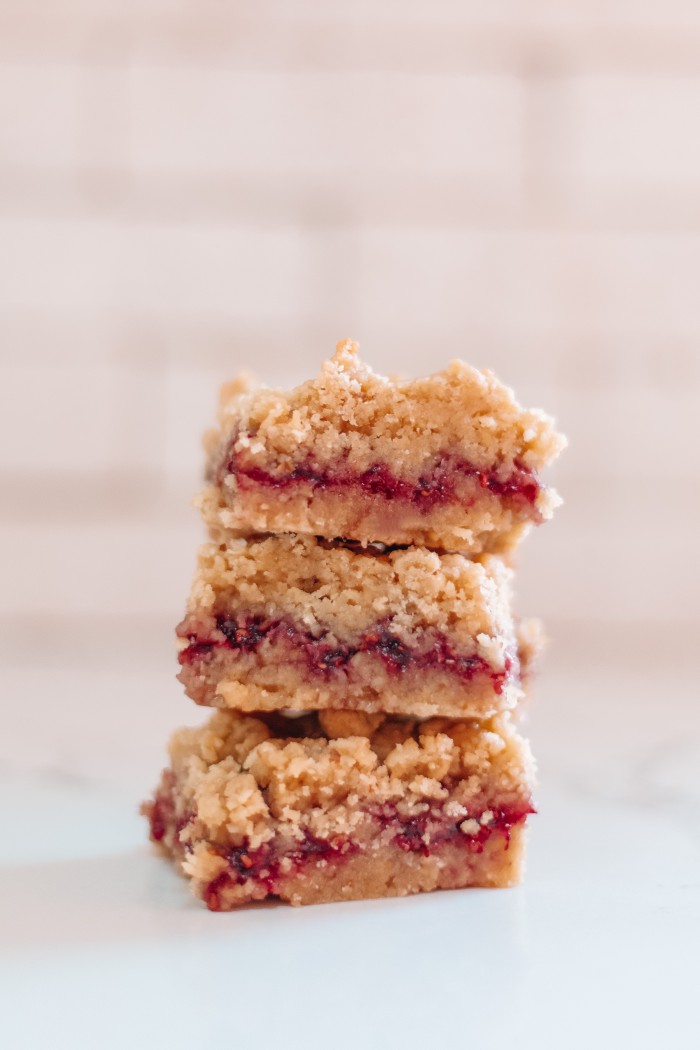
(339, 592)
(351, 414)
(247, 785)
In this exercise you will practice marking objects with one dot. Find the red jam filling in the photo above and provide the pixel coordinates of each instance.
(266, 866)
(160, 813)
(438, 485)
(246, 635)
(425, 834)
(419, 834)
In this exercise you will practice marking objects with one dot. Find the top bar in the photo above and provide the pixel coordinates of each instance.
(451, 461)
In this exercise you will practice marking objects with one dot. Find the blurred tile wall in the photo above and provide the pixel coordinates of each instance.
(187, 189)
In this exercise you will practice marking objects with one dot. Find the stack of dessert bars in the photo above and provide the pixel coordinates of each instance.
(350, 622)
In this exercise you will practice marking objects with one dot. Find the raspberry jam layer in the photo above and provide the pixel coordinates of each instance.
(427, 831)
(245, 635)
(262, 869)
(438, 485)
(265, 866)
(161, 813)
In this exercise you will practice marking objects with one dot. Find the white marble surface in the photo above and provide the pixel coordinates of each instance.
(101, 946)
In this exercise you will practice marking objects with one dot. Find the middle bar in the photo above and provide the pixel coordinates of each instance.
(335, 625)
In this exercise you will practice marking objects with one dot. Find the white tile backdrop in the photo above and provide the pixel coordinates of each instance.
(187, 189)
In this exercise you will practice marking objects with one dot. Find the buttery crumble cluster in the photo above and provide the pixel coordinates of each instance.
(238, 774)
(351, 619)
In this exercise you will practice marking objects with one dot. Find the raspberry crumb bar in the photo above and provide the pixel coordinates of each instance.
(293, 622)
(341, 806)
(350, 621)
(451, 461)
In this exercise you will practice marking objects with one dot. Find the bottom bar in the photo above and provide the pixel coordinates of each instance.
(341, 806)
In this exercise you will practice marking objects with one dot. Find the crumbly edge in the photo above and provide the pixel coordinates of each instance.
(350, 414)
(340, 592)
(531, 641)
(247, 783)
